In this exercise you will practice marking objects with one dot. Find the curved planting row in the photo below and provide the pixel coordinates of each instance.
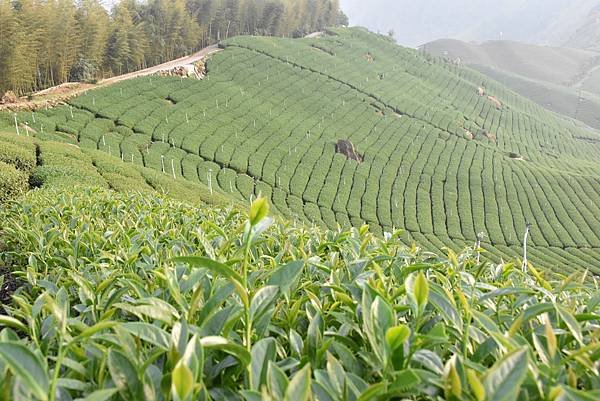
(439, 158)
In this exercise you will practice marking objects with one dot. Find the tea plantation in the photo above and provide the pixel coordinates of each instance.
(133, 267)
(448, 154)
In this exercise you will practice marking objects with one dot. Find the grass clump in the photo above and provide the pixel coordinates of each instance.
(134, 297)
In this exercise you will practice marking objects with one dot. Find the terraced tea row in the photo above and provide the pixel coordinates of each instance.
(446, 153)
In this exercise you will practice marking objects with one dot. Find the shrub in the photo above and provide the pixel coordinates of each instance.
(13, 182)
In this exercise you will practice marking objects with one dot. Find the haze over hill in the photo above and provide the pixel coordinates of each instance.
(588, 34)
(418, 22)
(564, 80)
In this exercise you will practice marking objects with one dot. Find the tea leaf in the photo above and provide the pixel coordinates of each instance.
(258, 210)
(503, 381)
(396, 336)
(182, 383)
(299, 387)
(27, 366)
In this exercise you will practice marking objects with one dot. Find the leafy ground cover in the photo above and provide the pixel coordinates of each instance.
(131, 297)
(441, 161)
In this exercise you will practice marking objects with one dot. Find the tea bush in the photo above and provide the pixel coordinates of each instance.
(130, 297)
(13, 182)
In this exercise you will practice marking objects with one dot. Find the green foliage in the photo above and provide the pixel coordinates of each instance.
(266, 119)
(20, 152)
(13, 182)
(134, 297)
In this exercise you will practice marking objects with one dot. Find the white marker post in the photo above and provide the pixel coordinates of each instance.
(162, 163)
(173, 169)
(16, 125)
(209, 176)
(527, 228)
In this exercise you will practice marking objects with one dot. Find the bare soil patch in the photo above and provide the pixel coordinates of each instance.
(346, 148)
(9, 285)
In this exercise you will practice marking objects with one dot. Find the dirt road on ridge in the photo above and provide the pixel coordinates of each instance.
(186, 60)
(61, 93)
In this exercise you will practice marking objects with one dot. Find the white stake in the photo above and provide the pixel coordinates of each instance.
(527, 228)
(478, 245)
(33, 116)
(209, 176)
(162, 163)
(17, 124)
(173, 168)
(103, 141)
(187, 120)
(71, 110)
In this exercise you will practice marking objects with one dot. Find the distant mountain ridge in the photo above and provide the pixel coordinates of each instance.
(547, 22)
(564, 80)
(587, 36)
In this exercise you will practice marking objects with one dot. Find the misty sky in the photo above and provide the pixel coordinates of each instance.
(416, 22)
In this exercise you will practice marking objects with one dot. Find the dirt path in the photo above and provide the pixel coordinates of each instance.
(187, 60)
(314, 35)
(59, 94)
(584, 77)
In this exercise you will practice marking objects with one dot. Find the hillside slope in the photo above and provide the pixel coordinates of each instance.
(588, 33)
(446, 153)
(564, 80)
